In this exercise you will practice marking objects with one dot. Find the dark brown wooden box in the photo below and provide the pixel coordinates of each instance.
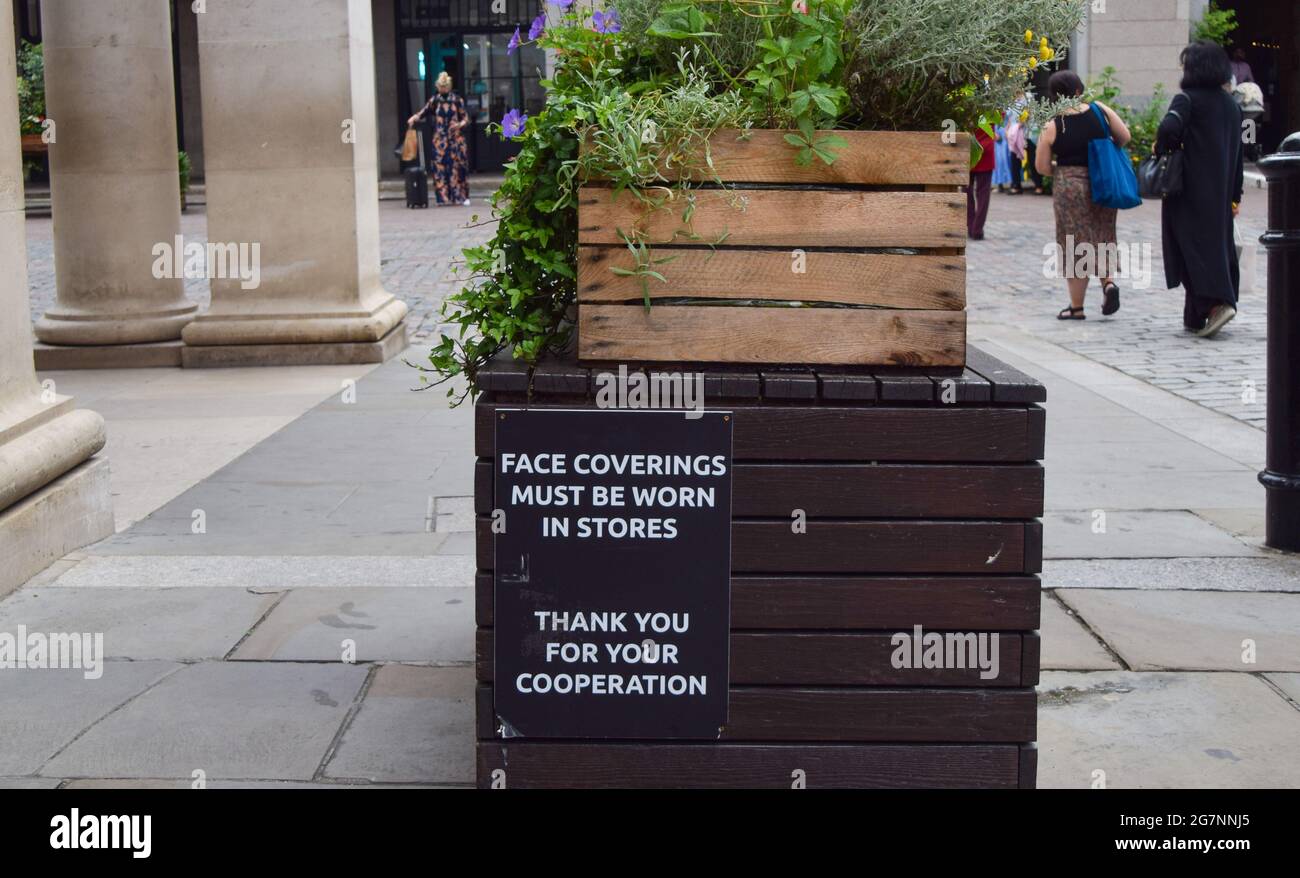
(922, 492)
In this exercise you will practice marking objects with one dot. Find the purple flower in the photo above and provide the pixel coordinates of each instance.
(606, 22)
(513, 124)
(538, 26)
(563, 4)
(513, 44)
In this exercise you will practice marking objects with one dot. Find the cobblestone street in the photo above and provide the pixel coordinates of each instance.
(1145, 339)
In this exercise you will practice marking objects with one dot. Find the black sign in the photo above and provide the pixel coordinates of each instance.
(613, 573)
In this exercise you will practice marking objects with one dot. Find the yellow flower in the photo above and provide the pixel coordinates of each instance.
(1024, 116)
(1029, 38)
(986, 77)
(1047, 53)
(1033, 63)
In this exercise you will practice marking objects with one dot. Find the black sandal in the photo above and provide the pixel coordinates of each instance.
(1111, 303)
(1071, 314)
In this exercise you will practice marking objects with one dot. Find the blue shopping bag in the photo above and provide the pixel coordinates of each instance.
(1110, 170)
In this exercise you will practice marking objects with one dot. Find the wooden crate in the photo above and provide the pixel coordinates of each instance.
(882, 235)
(923, 491)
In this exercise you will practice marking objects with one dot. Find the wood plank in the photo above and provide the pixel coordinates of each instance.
(503, 373)
(1028, 767)
(879, 547)
(772, 335)
(812, 433)
(789, 383)
(860, 658)
(939, 716)
(1009, 384)
(982, 603)
(778, 218)
(888, 490)
(552, 376)
(1031, 654)
(1007, 603)
(859, 547)
(868, 158)
(589, 765)
(882, 280)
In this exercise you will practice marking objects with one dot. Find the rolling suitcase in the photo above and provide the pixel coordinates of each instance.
(417, 181)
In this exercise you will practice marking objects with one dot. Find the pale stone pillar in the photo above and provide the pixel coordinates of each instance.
(52, 500)
(291, 169)
(113, 173)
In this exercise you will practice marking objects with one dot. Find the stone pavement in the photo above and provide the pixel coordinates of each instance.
(298, 612)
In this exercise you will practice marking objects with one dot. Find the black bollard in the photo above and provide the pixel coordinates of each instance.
(1282, 240)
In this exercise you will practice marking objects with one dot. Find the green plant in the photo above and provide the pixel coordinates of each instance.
(1143, 122)
(186, 169)
(1216, 25)
(914, 65)
(31, 88)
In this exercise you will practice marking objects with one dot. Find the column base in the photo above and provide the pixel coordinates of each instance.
(62, 327)
(312, 354)
(73, 511)
(156, 355)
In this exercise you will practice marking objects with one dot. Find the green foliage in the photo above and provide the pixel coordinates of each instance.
(186, 168)
(914, 64)
(1216, 25)
(31, 88)
(1143, 122)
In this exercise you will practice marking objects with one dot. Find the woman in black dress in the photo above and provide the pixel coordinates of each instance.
(1205, 122)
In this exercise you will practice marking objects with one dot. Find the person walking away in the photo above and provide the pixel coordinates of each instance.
(450, 161)
(1016, 143)
(1205, 123)
(1085, 231)
(977, 193)
(1001, 158)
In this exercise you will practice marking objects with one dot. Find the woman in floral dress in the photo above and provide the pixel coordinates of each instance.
(450, 163)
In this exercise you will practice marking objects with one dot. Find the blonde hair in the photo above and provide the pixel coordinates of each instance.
(444, 80)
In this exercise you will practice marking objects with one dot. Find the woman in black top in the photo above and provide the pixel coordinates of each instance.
(1205, 122)
(1085, 231)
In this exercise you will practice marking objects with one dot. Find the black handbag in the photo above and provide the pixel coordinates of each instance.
(1162, 176)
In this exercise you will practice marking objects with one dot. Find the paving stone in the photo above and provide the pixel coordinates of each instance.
(1194, 630)
(416, 725)
(28, 783)
(44, 710)
(434, 625)
(176, 624)
(1137, 534)
(253, 720)
(1277, 573)
(1165, 730)
(1067, 644)
(267, 573)
(1288, 683)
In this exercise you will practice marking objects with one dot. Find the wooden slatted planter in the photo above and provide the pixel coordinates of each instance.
(882, 235)
(923, 493)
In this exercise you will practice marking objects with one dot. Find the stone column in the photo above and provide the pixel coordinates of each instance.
(53, 499)
(113, 177)
(292, 181)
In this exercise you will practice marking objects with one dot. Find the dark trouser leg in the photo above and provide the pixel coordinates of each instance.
(977, 202)
(1031, 154)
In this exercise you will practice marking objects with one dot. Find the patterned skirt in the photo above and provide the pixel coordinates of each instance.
(1085, 231)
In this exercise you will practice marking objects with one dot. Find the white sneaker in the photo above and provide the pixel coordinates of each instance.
(1220, 317)
(465, 203)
